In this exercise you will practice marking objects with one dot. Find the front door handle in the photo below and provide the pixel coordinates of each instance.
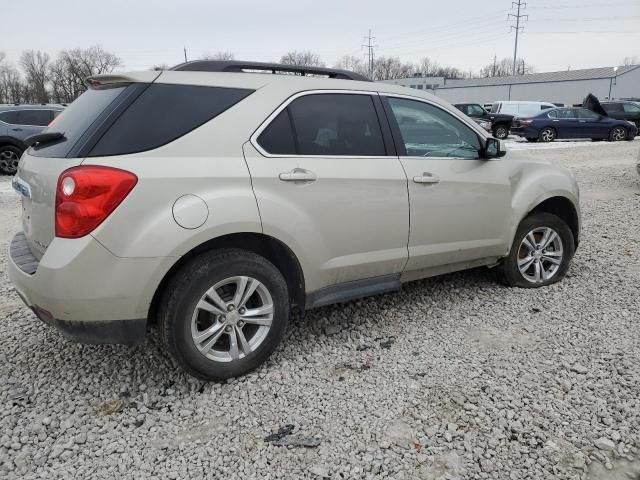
(17, 129)
(427, 177)
(582, 121)
(298, 175)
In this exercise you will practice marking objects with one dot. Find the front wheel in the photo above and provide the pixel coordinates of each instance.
(617, 134)
(541, 252)
(547, 134)
(501, 132)
(224, 313)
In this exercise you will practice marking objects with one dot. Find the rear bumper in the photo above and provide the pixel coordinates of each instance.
(85, 291)
(527, 132)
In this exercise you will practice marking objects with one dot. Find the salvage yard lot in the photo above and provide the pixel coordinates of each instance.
(454, 377)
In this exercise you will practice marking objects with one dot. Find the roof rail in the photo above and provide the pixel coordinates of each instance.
(239, 66)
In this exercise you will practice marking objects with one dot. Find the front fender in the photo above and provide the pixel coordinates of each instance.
(537, 183)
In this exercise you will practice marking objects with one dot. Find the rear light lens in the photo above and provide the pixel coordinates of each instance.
(87, 195)
(525, 122)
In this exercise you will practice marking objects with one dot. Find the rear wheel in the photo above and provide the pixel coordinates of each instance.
(547, 134)
(9, 158)
(617, 134)
(541, 252)
(224, 313)
(501, 132)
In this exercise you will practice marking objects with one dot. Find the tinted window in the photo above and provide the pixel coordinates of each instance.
(337, 124)
(612, 107)
(553, 114)
(163, 113)
(9, 117)
(40, 118)
(428, 131)
(585, 114)
(631, 108)
(277, 138)
(76, 119)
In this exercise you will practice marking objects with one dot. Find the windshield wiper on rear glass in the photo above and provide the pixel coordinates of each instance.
(43, 138)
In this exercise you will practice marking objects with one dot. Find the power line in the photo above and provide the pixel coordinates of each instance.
(370, 46)
(517, 28)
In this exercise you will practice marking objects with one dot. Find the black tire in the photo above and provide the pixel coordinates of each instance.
(501, 132)
(186, 288)
(9, 157)
(532, 139)
(547, 134)
(618, 134)
(508, 271)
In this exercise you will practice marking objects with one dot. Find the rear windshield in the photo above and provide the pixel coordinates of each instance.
(76, 119)
(134, 118)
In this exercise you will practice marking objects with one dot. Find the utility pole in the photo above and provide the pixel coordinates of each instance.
(494, 66)
(185, 54)
(520, 5)
(370, 46)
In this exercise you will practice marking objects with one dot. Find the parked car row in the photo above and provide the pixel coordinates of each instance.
(18, 122)
(613, 120)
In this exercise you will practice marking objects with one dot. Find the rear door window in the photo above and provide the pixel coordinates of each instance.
(163, 113)
(336, 124)
(39, 118)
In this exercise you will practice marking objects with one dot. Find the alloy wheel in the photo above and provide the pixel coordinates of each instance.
(502, 133)
(540, 255)
(9, 161)
(547, 135)
(232, 319)
(618, 134)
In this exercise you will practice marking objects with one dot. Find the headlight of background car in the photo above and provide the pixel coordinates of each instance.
(485, 125)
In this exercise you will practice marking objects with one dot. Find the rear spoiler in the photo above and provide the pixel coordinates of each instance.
(110, 79)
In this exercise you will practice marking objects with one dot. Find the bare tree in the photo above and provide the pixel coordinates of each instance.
(355, 64)
(504, 68)
(218, 56)
(305, 59)
(72, 67)
(36, 68)
(633, 60)
(388, 68)
(12, 88)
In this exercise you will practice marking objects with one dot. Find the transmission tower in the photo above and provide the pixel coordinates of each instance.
(520, 5)
(370, 46)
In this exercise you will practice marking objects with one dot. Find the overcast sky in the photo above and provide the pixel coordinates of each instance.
(461, 33)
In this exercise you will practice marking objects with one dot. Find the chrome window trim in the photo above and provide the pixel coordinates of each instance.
(254, 137)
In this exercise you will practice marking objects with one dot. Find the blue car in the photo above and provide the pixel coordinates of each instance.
(571, 122)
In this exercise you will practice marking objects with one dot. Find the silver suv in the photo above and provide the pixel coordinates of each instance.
(210, 201)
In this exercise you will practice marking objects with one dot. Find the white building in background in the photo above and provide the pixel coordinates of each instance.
(568, 87)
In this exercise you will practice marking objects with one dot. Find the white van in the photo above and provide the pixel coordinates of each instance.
(520, 109)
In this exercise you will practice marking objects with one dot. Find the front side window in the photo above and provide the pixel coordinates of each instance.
(475, 110)
(585, 114)
(336, 124)
(631, 108)
(428, 131)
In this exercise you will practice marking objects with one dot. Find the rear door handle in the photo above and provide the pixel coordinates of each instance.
(17, 129)
(582, 121)
(298, 175)
(427, 177)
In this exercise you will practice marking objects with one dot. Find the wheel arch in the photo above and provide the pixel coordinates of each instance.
(564, 208)
(14, 142)
(266, 246)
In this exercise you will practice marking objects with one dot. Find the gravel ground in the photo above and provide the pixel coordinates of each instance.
(454, 377)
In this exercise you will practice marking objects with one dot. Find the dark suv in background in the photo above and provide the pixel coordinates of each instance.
(500, 122)
(623, 110)
(17, 122)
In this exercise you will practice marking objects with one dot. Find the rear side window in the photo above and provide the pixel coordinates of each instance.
(277, 138)
(76, 119)
(612, 107)
(337, 124)
(9, 117)
(39, 118)
(163, 113)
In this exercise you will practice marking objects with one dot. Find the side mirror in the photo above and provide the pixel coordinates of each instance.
(494, 148)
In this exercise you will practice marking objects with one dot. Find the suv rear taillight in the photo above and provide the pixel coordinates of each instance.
(86, 196)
